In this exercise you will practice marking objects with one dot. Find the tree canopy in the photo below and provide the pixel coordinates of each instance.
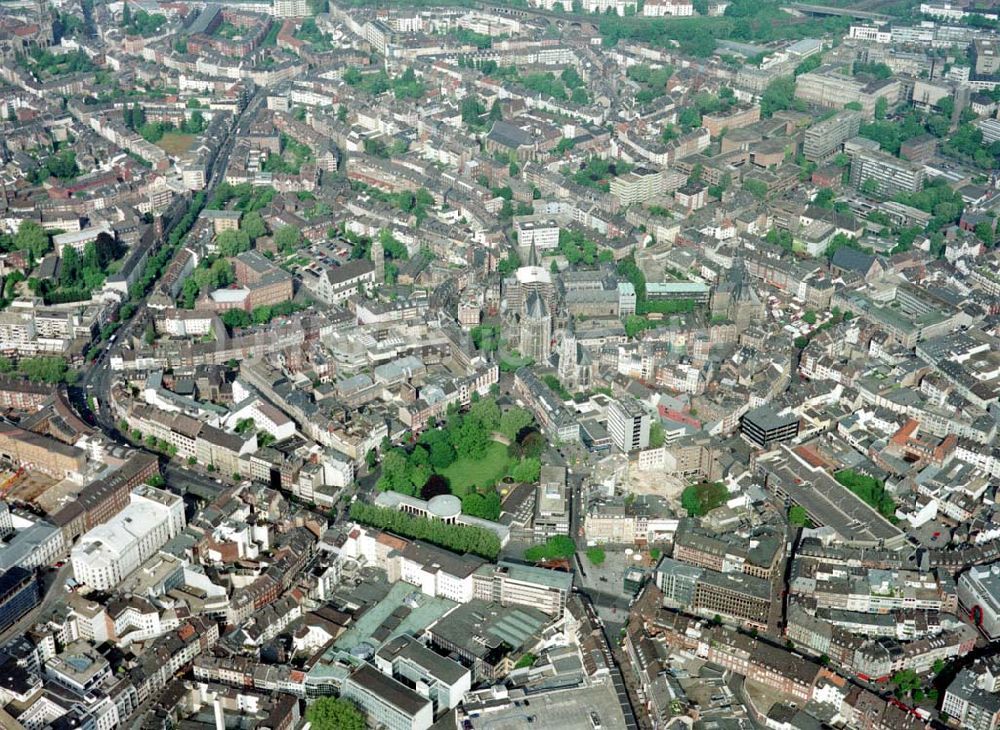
(334, 713)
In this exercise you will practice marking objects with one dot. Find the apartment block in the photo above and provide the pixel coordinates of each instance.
(826, 138)
(638, 186)
(890, 174)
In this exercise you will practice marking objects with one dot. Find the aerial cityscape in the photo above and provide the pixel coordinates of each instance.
(470, 365)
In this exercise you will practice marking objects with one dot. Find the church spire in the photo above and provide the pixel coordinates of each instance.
(532, 255)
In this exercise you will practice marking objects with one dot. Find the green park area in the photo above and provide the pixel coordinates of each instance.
(467, 473)
(466, 456)
(870, 490)
(176, 143)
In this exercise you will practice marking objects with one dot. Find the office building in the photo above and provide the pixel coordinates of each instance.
(979, 596)
(19, 593)
(826, 87)
(970, 701)
(107, 554)
(677, 581)
(628, 424)
(882, 174)
(435, 677)
(986, 57)
(387, 703)
(542, 234)
(764, 427)
(487, 637)
(825, 139)
(513, 584)
(743, 598)
(551, 503)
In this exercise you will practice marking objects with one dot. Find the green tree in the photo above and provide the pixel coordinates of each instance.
(484, 506)
(441, 454)
(824, 198)
(778, 96)
(469, 439)
(235, 318)
(513, 420)
(526, 471)
(231, 243)
(487, 412)
(656, 434)
(395, 473)
(472, 112)
(288, 238)
(331, 713)
(757, 188)
(253, 225)
(700, 499)
(596, 555)
(31, 237)
(985, 232)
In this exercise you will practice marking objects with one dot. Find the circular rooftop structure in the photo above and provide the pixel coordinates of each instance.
(445, 506)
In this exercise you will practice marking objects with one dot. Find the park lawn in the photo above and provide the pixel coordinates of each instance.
(465, 473)
(176, 143)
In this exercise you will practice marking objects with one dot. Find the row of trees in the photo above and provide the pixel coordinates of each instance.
(247, 197)
(567, 85)
(261, 315)
(334, 713)
(653, 81)
(758, 21)
(597, 172)
(415, 202)
(578, 249)
(628, 269)
(43, 369)
(157, 263)
(558, 547)
(459, 538)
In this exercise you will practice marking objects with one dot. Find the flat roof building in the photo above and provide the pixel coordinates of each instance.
(628, 424)
(979, 595)
(386, 702)
(763, 427)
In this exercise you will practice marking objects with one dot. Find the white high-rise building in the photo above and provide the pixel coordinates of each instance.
(291, 8)
(628, 424)
(110, 552)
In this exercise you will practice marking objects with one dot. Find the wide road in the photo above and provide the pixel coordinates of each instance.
(98, 378)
